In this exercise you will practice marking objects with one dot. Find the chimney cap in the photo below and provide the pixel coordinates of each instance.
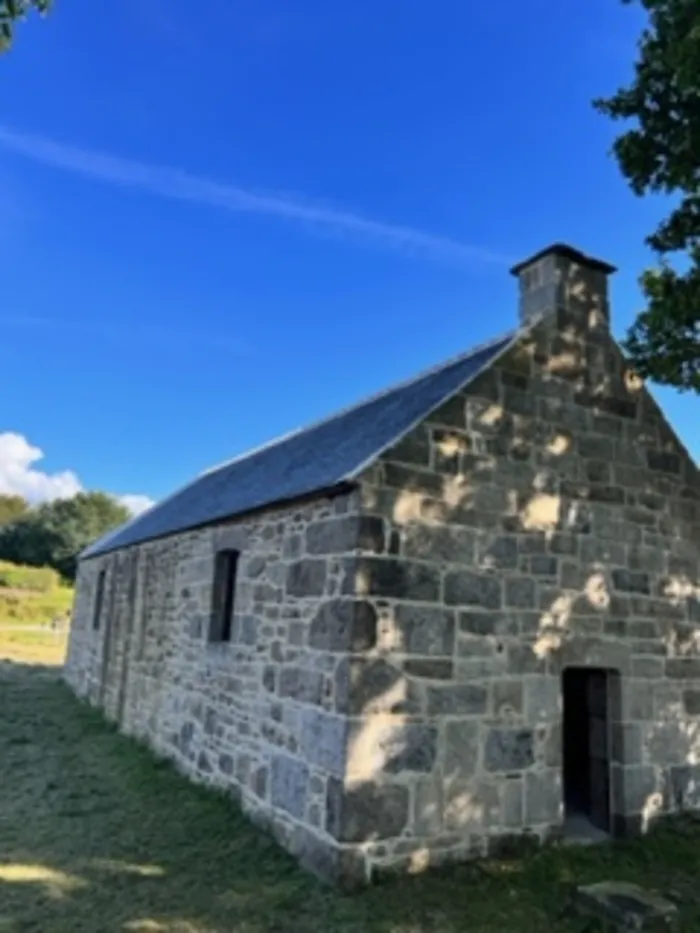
(568, 252)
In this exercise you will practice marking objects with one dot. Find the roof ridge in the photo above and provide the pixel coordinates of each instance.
(404, 383)
(507, 339)
(250, 452)
(294, 476)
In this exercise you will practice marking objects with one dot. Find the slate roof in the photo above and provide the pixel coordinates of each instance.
(312, 460)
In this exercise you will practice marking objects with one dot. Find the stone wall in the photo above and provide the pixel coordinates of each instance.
(548, 517)
(260, 715)
(391, 697)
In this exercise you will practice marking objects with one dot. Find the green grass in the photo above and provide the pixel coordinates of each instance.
(97, 836)
(23, 607)
(22, 577)
(33, 645)
(32, 595)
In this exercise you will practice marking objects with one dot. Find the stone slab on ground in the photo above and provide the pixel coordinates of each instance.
(627, 906)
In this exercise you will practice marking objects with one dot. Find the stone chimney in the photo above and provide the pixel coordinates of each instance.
(563, 280)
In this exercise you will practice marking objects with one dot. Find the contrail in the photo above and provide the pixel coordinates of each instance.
(170, 337)
(181, 186)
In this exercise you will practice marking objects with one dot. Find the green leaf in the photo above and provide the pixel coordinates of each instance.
(12, 11)
(660, 153)
(53, 534)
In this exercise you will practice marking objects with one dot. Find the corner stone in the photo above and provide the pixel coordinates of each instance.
(306, 578)
(391, 578)
(370, 811)
(344, 625)
(408, 747)
(425, 631)
(372, 685)
(336, 536)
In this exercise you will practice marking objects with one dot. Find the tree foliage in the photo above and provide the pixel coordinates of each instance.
(12, 508)
(54, 533)
(660, 154)
(12, 11)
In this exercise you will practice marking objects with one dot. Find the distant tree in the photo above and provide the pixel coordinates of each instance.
(12, 11)
(660, 154)
(53, 534)
(12, 508)
(28, 541)
(74, 523)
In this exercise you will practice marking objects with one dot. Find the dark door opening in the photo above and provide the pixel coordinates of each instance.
(586, 752)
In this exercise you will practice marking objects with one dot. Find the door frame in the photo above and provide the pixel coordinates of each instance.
(612, 700)
(599, 804)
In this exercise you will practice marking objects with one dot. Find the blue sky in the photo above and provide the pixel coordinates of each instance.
(216, 228)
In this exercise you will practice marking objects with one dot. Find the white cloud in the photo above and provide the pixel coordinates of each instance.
(177, 185)
(136, 503)
(19, 476)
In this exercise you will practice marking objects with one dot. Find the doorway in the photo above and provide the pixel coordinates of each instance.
(587, 753)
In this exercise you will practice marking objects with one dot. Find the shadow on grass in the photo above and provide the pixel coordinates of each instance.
(97, 835)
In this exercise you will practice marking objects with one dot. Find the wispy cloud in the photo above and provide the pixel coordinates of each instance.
(181, 186)
(132, 333)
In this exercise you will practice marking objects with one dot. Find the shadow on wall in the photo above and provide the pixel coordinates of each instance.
(558, 483)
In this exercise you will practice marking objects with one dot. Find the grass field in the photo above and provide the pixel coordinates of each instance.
(33, 645)
(30, 599)
(32, 595)
(27, 607)
(97, 836)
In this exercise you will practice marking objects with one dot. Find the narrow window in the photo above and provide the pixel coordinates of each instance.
(223, 596)
(99, 599)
